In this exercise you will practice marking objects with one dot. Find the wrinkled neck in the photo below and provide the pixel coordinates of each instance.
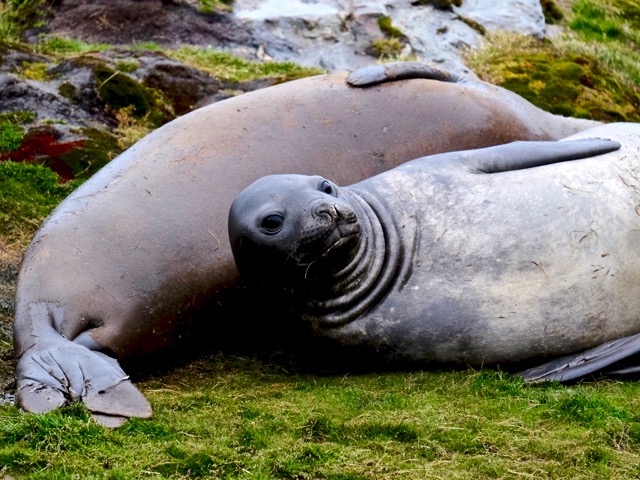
(347, 294)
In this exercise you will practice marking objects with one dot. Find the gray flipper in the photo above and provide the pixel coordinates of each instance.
(376, 74)
(58, 372)
(591, 361)
(521, 155)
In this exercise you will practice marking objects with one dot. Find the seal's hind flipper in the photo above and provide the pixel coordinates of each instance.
(57, 373)
(376, 74)
(520, 155)
(595, 360)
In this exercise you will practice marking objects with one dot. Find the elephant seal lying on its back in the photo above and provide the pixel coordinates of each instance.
(503, 254)
(124, 259)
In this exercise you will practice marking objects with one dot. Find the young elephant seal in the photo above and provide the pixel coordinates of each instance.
(125, 261)
(505, 254)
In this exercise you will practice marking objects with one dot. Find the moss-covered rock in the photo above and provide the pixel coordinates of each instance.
(117, 90)
(391, 44)
(386, 27)
(552, 12)
(572, 86)
(559, 81)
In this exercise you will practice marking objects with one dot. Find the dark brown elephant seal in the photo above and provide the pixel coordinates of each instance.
(505, 254)
(142, 244)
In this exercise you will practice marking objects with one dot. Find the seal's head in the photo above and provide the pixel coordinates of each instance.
(286, 229)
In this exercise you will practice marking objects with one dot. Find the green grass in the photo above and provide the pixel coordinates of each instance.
(53, 45)
(221, 64)
(231, 68)
(16, 15)
(233, 417)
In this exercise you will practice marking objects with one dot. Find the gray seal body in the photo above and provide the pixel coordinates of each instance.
(126, 260)
(504, 254)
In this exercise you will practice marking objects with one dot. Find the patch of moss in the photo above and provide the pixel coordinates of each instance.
(28, 193)
(10, 136)
(561, 82)
(212, 6)
(21, 116)
(439, 4)
(552, 13)
(99, 148)
(392, 44)
(388, 29)
(67, 90)
(11, 130)
(117, 90)
(35, 71)
(387, 47)
(127, 66)
(473, 24)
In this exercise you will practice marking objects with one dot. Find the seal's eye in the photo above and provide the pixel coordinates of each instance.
(326, 187)
(272, 223)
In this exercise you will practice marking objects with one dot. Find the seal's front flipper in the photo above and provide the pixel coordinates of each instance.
(521, 155)
(591, 361)
(376, 74)
(57, 373)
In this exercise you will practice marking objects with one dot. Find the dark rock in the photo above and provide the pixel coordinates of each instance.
(126, 22)
(24, 95)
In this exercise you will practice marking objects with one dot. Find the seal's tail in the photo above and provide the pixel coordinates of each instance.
(54, 373)
(604, 359)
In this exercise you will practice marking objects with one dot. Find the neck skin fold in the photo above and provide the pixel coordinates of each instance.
(350, 292)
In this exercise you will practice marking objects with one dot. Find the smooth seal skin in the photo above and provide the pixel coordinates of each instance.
(127, 259)
(507, 254)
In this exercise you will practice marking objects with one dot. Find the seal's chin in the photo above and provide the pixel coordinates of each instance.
(338, 252)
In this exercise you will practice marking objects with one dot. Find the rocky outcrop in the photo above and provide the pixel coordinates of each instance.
(332, 34)
(338, 34)
(69, 109)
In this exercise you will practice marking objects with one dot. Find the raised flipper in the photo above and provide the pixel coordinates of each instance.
(595, 360)
(521, 155)
(59, 372)
(376, 74)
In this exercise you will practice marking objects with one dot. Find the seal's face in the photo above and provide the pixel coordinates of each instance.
(290, 228)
